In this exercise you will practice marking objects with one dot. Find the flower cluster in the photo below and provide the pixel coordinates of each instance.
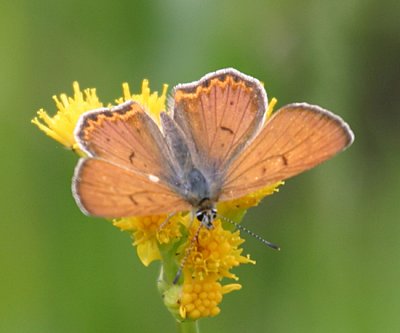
(208, 255)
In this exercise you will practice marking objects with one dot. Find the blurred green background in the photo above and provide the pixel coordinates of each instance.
(338, 225)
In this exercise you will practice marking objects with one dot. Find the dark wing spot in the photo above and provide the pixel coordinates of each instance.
(133, 200)
(235, 77)
(263, 170)
(108, 113)
(222, 77)
(108, 139)
(123, 108)
(150, 199)
(279, 159)
(131, 156)
(226, 129)
(231, 102)
(206, 83)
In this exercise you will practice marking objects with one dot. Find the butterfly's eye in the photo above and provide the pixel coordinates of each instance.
(200, 215)
(213, 213)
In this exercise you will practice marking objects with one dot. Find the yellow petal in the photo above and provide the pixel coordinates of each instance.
(148, 252)
(61, 126)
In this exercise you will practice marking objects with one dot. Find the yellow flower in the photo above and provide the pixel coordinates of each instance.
(209, 259)
(207, 256)
(61, 126)
(215, 252)
(235, 209)
(150, 231)
(201, 297)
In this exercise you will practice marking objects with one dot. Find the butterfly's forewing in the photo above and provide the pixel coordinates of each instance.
(107, 190)
(219, 114)
(296, 138)
(125, 136)
(130, 170)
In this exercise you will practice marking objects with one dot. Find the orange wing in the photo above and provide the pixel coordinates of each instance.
(131, 163)
(219, 114)
(296, 138)
(107, 190)
(125, 136)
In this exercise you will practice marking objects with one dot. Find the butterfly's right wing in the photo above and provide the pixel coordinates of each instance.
(296, 138)
(130, 170)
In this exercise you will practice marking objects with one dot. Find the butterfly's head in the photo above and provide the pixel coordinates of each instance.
(206, 213)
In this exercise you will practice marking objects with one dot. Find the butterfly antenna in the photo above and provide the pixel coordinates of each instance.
(187, 253)
(251, 233)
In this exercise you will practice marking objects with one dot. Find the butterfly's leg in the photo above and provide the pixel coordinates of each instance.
(166, 221)
(187, 251)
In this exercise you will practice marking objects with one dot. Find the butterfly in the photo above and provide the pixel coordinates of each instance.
(214, 144)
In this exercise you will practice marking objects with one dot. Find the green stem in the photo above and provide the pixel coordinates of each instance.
(188, 327)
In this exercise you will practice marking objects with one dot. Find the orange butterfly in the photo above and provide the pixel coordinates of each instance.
(214, 145)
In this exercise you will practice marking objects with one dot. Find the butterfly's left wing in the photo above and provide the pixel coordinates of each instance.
(102, 188)
(130, 170)
(296, 138)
